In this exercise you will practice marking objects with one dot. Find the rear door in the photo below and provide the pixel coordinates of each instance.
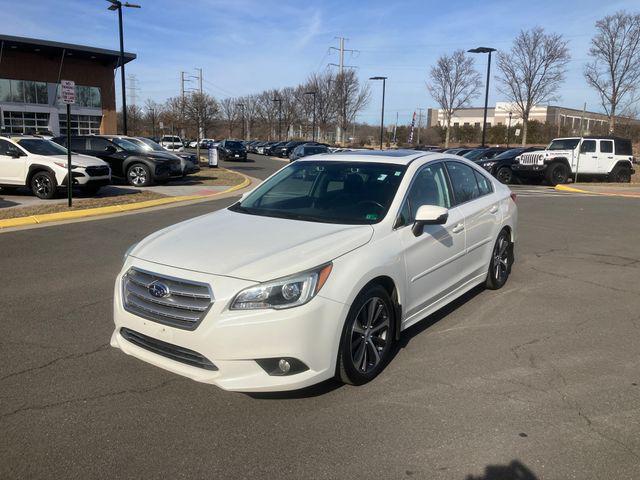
(433, 260)
(605, 156)
(480, 207)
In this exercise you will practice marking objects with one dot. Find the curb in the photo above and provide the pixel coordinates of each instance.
(564, 188)
(94, 212)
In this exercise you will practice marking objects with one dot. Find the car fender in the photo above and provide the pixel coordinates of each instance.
(623, 163)
(57, 172)
(136, 159)
(565, 160)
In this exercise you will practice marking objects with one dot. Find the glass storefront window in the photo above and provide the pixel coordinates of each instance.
(23, 91)
(81, 124)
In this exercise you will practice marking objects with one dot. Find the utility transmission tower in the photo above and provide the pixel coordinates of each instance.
(343, 84)
(132, 88)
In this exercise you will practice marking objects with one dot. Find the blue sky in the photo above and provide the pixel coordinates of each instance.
(245, 46)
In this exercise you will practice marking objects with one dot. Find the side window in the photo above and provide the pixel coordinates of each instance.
(588, 146)
(606, 146)
(78, 144)
(623, 147)
(5, 147)
(483, 183)
(429, 187)
(98, 144)
(463, 181)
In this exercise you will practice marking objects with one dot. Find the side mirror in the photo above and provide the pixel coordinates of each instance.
(15, 153)
(244, 195)
(429, 215)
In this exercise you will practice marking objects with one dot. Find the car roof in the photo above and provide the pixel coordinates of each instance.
(396, 157)
(27, 137)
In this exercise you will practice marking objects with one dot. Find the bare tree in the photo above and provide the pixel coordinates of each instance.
(152, 112)
(351, 98)
(134, 119)
(229, 110)
(251, 108)
(532, 71)
(614, 71)
(201, 109)
(326, 101)
(454, 81)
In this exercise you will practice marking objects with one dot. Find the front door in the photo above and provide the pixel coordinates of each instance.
(433, 260)
(12, 169)
(588, 161)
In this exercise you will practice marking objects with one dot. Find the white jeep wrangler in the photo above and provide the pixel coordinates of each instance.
(41, 165)
(609, 158)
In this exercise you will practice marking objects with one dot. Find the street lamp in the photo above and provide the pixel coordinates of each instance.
(384, 81)
(279, 100)
(313, 135)
(486, 95)
(241, 105)
(117, 5)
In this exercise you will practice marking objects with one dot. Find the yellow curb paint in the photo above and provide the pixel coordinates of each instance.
(564, 188)
(94, 212)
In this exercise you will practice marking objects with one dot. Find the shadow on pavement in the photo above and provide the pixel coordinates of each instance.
(514, 471)
(312, 391)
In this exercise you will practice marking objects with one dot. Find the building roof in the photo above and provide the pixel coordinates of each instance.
(11, 43)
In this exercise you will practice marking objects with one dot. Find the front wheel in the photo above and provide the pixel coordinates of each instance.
(504, 175)
(557, 174)
(44, 185)
(139, 175)
(501, 261)
(368, 337)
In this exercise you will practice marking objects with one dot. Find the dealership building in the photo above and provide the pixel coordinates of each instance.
(567, 118)
(30, 74)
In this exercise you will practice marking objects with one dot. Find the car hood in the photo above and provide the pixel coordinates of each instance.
(80, 160)
(250, 247)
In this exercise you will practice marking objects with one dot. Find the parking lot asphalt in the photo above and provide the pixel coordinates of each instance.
(540, 379)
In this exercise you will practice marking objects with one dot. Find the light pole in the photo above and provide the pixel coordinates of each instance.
(384, 81)
(117, 5)
(279, 100)
(509, 129)
(313, 134)
(241, 105)
(486, 94)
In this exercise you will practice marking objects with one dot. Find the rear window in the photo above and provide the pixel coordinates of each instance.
(623, 147)
(233, 144)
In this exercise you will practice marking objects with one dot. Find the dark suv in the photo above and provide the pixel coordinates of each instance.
(232, 150)
(138, 166)
(285, 150)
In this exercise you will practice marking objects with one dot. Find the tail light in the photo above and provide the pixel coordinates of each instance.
(514, 197)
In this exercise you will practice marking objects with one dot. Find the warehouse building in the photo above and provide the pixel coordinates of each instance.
(567, 118)
(30, 74)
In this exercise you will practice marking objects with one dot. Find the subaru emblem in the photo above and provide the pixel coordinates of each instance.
(159, 290)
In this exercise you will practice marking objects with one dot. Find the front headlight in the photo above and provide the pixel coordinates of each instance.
(129, 250)
(488, 164)
(285, 292)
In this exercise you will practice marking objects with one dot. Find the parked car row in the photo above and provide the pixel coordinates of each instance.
(292, 150)
(605, 158)
(41, 164)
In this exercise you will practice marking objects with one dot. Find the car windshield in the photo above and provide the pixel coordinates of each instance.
(564, 144)
(233, 144)
(509, 153)
(149, 144)
(327, 192)
(127, 145)
(40, 146)
(475, 154)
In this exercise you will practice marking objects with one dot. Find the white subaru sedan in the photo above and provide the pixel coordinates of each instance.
(316, 272)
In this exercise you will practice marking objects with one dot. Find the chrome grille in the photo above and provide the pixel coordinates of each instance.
(174, 352)
(184, 305)
(530, 158)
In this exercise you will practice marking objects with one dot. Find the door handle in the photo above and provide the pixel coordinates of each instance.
(609, 157)
(594, 156)
(493, 209)
(458, 228)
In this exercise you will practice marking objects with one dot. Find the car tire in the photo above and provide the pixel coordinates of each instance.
(620, 174)
(501, 262)
(557, 173)
(44, 185)
(139, 175)
(367, 337)
(504, 175)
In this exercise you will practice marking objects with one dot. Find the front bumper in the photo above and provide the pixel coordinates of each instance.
(233, 340)
(81, 179)
(528, 168)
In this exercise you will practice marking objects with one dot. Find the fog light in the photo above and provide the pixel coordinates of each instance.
(280, 367)
(284, 366)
